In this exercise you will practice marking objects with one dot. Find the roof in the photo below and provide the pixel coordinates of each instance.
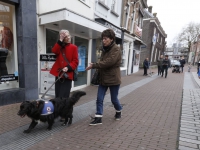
(147, 14)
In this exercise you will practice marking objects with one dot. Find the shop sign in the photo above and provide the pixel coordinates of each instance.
(8, 77)
(45, 57)
(117, 31)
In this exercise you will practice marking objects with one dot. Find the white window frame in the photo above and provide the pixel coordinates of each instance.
(104, 1)
(86, 2)
(133, 21)
(127, 18)
(155, 55)
(158, 37)
(115, 5)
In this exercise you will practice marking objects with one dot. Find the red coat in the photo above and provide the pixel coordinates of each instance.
(71, 53)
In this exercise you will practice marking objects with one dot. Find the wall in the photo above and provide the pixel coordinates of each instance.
(73, 5)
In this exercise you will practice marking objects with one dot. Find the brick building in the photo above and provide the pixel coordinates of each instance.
(132, 24)
(154, 36)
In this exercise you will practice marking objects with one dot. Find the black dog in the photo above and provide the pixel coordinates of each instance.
(63, 107)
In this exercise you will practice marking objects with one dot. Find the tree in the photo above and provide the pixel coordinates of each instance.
(189, 34)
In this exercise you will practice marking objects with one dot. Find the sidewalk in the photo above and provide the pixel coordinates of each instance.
(150, 119)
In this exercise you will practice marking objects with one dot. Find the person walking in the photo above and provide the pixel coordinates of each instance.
(160, 61)
(165, 66)
(146, 66)
(64, 50)
(182, 62)
(110, 75)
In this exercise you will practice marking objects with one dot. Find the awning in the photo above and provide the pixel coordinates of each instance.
(139, 40)
(75, 23)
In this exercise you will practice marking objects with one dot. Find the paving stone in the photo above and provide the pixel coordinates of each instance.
(186, 148)
(191, 145)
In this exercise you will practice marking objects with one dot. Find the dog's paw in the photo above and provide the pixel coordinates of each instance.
(49, 128)
(27, 131)
(63, 124)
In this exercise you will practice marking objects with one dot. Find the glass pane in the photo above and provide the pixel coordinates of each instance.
(8, 54)
(82, 45)
(51, 39)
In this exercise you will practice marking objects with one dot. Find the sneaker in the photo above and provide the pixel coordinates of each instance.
(118, 115)
(97, 120)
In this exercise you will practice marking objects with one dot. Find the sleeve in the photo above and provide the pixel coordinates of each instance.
(74, 63)
(109, 61)
(56, 48)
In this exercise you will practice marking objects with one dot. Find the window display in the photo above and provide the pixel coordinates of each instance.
(8, 53)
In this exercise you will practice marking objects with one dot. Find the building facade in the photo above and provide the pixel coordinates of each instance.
(132, 25)
(154, 37)
(18, 51)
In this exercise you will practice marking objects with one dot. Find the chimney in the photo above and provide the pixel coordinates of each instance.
(154, 14)
(150, 9)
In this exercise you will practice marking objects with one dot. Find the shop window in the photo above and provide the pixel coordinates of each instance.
(82, 45)
(51, 38)
(8, 51)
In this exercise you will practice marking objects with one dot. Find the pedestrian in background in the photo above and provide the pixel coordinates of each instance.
(110, 75)
(182, 62)
(165, 65)
(146, 66)
(198, 65)
(64, 47)
(160, 61)
(189, 67)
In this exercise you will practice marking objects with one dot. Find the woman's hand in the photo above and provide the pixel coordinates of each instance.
(63, 35)
(89, 67)
(65, 69)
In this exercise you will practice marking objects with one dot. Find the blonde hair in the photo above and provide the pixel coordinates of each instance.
(66, 31)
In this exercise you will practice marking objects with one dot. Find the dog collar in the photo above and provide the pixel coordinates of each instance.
(48, 108)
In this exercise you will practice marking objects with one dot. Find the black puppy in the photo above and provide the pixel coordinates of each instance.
(62, 107)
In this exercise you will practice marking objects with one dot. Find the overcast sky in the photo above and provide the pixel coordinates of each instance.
(175, 14)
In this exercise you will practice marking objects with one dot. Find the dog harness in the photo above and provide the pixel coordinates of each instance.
(48, 108)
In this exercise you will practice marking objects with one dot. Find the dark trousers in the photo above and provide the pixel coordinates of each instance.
(159, 70)
(198, 65)
(63, 88)
(165, 69)
(181, 68)
(145, 71)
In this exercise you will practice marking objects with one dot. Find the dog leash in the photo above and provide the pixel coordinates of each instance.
(61, 73)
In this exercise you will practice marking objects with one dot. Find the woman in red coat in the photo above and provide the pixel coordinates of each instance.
(64, 47)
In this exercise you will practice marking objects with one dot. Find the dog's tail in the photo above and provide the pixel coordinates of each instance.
(76, 96)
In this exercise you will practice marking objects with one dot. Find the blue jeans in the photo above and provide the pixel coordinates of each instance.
(101, 94)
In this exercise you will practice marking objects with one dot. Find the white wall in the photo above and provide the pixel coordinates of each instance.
(77, 6)
(101, 12)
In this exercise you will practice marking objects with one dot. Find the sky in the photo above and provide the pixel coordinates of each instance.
(175, 14)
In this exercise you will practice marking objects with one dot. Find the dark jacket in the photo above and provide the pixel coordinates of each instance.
(182, 62)
(146, 64)
(160, 61)
(71, 53)
(109, 66)
(166, 63)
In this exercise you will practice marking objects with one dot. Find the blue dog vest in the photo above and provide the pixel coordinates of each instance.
(48, 108)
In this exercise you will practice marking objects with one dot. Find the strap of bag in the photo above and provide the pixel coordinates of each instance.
(64, 56)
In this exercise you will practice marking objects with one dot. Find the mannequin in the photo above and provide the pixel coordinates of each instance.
(6, 40)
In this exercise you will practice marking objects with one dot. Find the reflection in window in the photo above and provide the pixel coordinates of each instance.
(51, 39)
(82, 45)
(4, 8)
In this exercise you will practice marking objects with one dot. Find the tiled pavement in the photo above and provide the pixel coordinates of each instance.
(150, 120)
(190, 117)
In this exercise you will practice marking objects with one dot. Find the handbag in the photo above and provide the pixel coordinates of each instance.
(95, 78)
(75, 72)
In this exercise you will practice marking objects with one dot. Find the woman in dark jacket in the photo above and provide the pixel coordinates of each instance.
(110, 76)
